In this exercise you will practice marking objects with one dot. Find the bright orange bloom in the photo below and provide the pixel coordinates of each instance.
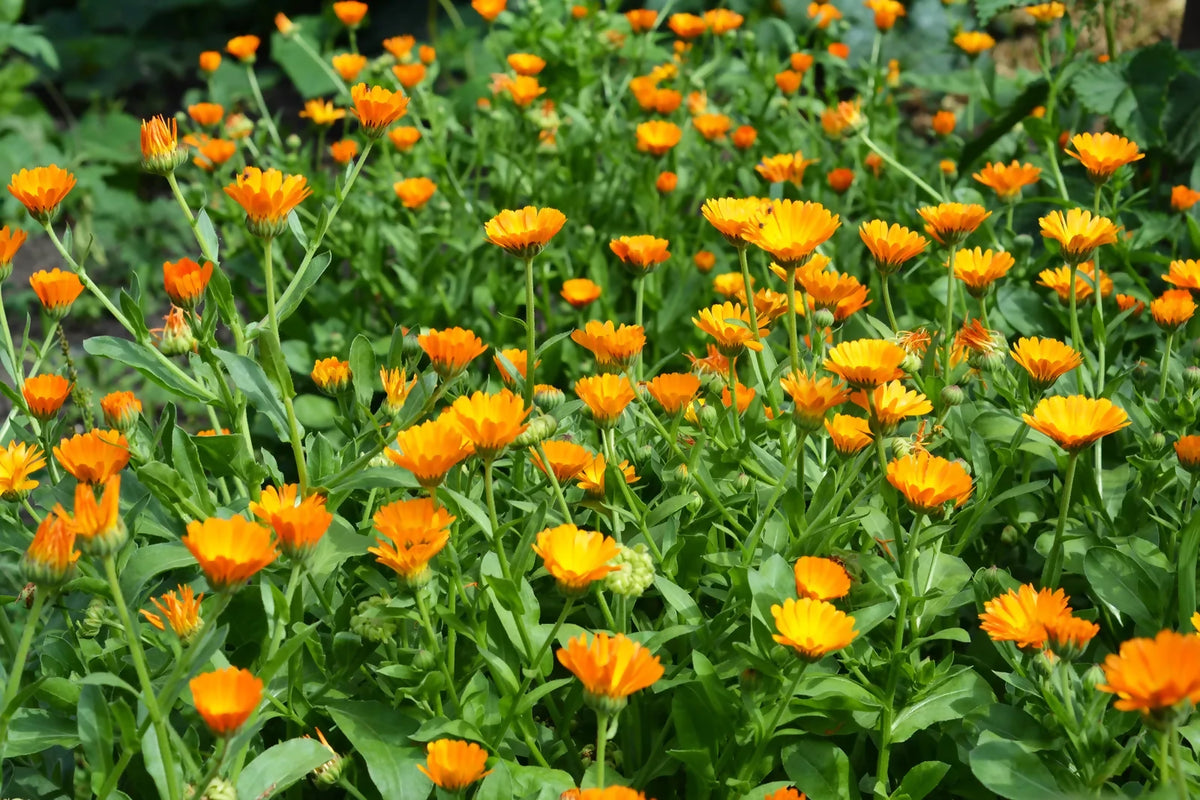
(210, 61)
(729, 324)
(1078, 233)
(17, 462)
(430, 450)
(893, 403)
(404, 138)
(1187, 450)
(205, 114)
(722, 20)
(1183, 198)
(744, 137)
(712, 127)
(673, 390)
(243, 48)
(643, 252)
(524, 90)
(181, 611)
(526, 63)
(641, 19)
(1020, 616)
(786, 793)
(886, 12)
(10, 243)
(41, 190)
(950, 223)
(1008, 181)
(489, 9)
(1184, 274)
(44, 395)
(1045, 13)
(344, 151)
(613, 347)
(284, 25)
(377, 108)
(526, 232)
(591, 478)
(350, 12)
(409, 75)
(929, 482)
(399, 46)
(791, 230)
(121, 410)
(1102, 154)
(490, 422)
(1125, 302)
(1075, 422)
(519, 360)
(226, 698)
(397, 388)
(1085, 282)
(784, 167)
(824, 13)
(606, 396)
(580, 292)
(846, 115)
(821, 578)
(979, 268)
(230, 551)
(214, 153)
(1148, 675)
(576, 558)
(657, 136)
(704, 260)
(866, 363)
(788, 81)
(51, 555)
(974, 42)
(299, 528)
(734, 218)
(812, 627)
(745, 396)
(944, 122)
(840, 179)
(322, 112)
(611, 667)
(274, 498)
(813, 397)
(666, 182)
(451, 350)
(565, 459)
(1173, 308)
(1067, 635)
(891, 247)
(687, 26)
(267, 198)
(825, 288)
(331, 375)
(800, 62)
(453, 765)
(185, 281)
(93, 457)
(848, 434)
(417, 531)
(874, 162)
(57, 290)
(1046, 360)
(414, 193)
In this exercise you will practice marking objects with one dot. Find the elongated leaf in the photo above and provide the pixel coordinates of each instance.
(362, 369)
(951, 698)
(1013, 772)
(295, 293)
(280, 766)
(380, 734)
(139, 357)
(248, 376)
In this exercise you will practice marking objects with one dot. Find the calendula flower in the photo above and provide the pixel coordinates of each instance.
(230, 551)
(397, 387)
(576, 558)
(1102, 154)
(57, 291)
(50, 558)
(298, 528)
(823, 13)
(673, 391)
(267, 198)
(591, 478)
(790, 230)
(519, 359)
(526, 63)
(1007, 181)
(866, 363)
(1075, 422)
(614, 347)
(284, 25)
(944, 122)
(929, 482)
(343, 151)
(416, 530)
(824, 288)
(606, 396)
(950, 223)
(454, 765)
(214, 153)
(414, 193)
(93, 457)
(350, 12)
(610, 668)
(1183, 198)
(580, 292)
(666, 182)
(1046, 13)
(180, 608)
(490, 422)
(734, 218)
(821, 578)
(44, 395)
(96, 523)
(657, 136)
(430, 450)
(641, 19)
(331, 375)
(489, 9)
(848, 434)
(565, 459)
(745, 396)
(1078, 233)
(813, 397)
(322, 113)
(1125, 302)
(185, 281)
(1187, 450)
(41, 190)
(274, 498)
(712, 127)
(1184, 274)
(812, 627)
(225, 698)
(451, 350)
(893, 403)
(974, 42)
(1085, 282)
(526, 232)
(121, 410)
(409, 75)
(891, 247)
(845, 116)
(1173, 308)
(523, 90)
(377, 107)
(17, 462)
(786, 793)
(783, 167)
(10, 242)
(722, 20)
(1020, 616)
(788, 81)
(886, 12)
(687, 26)
(744, 137)
(400, 46)
(209, 61)
(1046, 360)
(979, 268)
(1067, 636)
(161, 153)
(404, 137)
(641, 253)
(1150, 675)
(729, 325)
(841, 178)
(243, 48)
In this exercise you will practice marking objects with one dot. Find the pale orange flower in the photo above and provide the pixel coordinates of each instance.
(929, 482)
(348, 65)
(643, 253)
(1046, 360)
(891, 247)
(1075, 422)
(414, 193)
(565, 459)
(729, 325)
(1173, 308)
(784, 167)
(580, 292)
(866, 363)
(1184, 274)
(1102, 154)
(950, 223)
(734, 218)
(979, 268)
(1007, 181)
(430, 450)
(606, 396)
(821, 578)
(613, 347)
(524, 233)
(657, 136)
(673, 391)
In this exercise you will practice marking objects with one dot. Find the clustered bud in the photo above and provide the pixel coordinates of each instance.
(636, 572)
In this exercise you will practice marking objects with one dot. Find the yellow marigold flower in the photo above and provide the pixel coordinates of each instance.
(57, 291)
(1149, 675)
(1173, 308)
(41, 190)
(591, 478)
(453, 765)
(566, 459)
(730, 284)
(185, 281)
(17, 462)
(121, 410)
(1075, 422)
(893, 403)
(891, 247)
(580, 292)
(848, 434)
(846, 115)
(783, 167)
(673, 391)
(230, 551)
(729, 324)
(790, 230)
(1046, 360)
(722, 20)
(416, 530)
(812, 627)
(929, 482)
(1020, 616)
(687, 26)
(821, 578)
(768, 305)
(1007, 181)
(180, 608)
(1183, 198)
(397, 388)
(813, 397)
(1184, 274)
(451, 350)
(267, 198)
(243, 48)
(1059, 280)
(610, 667)
(1046, 13)
(606, 396)
(322, 113)
(866, 363)
(490, 422)
(331, 375)
(974, 42)
(350, 12)
(273, 499)
(51, 555)
(657, 136)
(576, 558)
(225, 698)
(980, 268)
(526, 63)
(886, 12)
(642, 253)
(209, 61)
(430, 450)
(825, 288)
(1102, 154)
(44, 395)
(377, 108)
(1187, 450)
(734, 218)
(745, 396)
(524, 89)
(299, 528)
(614, 347)
(489, 9)
(526, 232)
(1078, 233)
(950, 223)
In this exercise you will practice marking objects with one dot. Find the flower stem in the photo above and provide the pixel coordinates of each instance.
(887, 303)
(17, 670)
(286, 389)
(530, 332)
(282, 617)
(760, 370)
(215, 769)
(262, 106)
(1054, 560)
(733, 404)
(601, 743)
(903, 170)
(1166, 365)
(948, 324)
(18, 375)
(793, 340)
(427, 624)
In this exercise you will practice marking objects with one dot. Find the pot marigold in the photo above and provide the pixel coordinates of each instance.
(93, 457)
(790, 230)
(973, 43)
(50, 558)
(243, 48)
(1046, 360)
(490, 422)
(641, 19)
(41, 190)
(322, 113)
(44, 395)
(606, 396)
(944, 122)
(687, 26)
(1102, 154)
(414, 193)
(523, 90)
(331, 375)
(734, 218)
(350, 12)
(673, 391)
(576, 558)
(377, 107)
(811, 627)
(453, 764)
(344, 151)
(929, 482)
(821, 578)
(526, 63)
(1187, 450)
(580, 292)
(1173, 308)
(1020, 616)
(489, 9)
(950, 223)
(1149, 675)
(10, 242)
(404, 138)
(892, 403)
(1078, 233)
(745, 396)
(591, 478)
(416, 530)
(614, 347)
(17, 462)
(430, 450)
(641, 253)
(980, 268)
(225, 698)
(812, 397)
(657, 136)
(1007, 181)
(789, 167)
(729, 325)
(267, 198)
(230, 551)
(209, 61)
(299, 528)
(891, 247)
(848, 434)
(824, 288)
(712, 127)
(526, 232)
(565, 459)
(1183, 198)
(161, 153)
(121, 410)
(179, 608)
(1075, 422)
(1184, 274)
(56, 290)
(185, 281)
(866, 363)
(451, 350)
(1085, 282)
(610, 667)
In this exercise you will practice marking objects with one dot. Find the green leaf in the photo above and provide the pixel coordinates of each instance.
(679, 600)
(819, 769)
(303, 281)
(249, 377)
(362, 369)
(306, 75)
(923, 779)
(1013, 772)
(187, 463)
(380, 734)
(986, 9)
(138, 357)
(953, 697)
(95, 730)
(280, 766)
(35, 730)
(1034, 95)
(210, 246)
(1122, 584)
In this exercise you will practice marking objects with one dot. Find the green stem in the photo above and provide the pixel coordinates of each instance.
(497, 544)
(769, 731)
(733, 404)
(1054, 560)
(760, 370)
(285, 381)
(903, 170)
(530, 334)
(17, 670)
(751, 543)
(214, 770)
(793, 339)
(948, 324)
(427, 624)
(1164, 369)
(887, 303)
(1181, 783)
(282, 617)
(18, 375)
(527, 681)
(639, 291)
(558, 492)
(262, 106)
(336, 79)
(601, 743)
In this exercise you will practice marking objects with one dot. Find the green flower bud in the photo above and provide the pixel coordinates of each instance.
(369, 621)
(540, 428)
(1191, 377)
(636, 572)
(953, 395)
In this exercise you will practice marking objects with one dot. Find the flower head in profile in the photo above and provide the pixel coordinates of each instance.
(350, 12)
(1076, 421)
(811, 627)
(574, 557)
(785, 167)
(980, 268)
(891, 247)
(591, 478)
(322, 113)
(641, 19)
(1187, 450)
(1078, 233)
(891, 403)
(243, 48)
(1046, 360)
(791, 230)
(453, 764)
(409, 75)
(973, 43)
(50, 558)
(734, 218)
(673, 391)
(1183, 198)
(267, 198)
(1184, 274)
(951, 223)
(414, 193)
(580, 292)
(606, 396)
(657, 137)
(396, 387)
(161, 153)
(1046, 13)
(565, 459)
(209, 61)
(121, 410)
(451, 350)
(1173, 308)
(1152, 675)
(866, 363)
(729, 325)
(525, 232)
(225, 698)
(44, 395)
(41, 190)
(179, 608)
(331, 375)
(490, 422)
(886, 12)
(1059, 280)
(93, 457)
(848, 434)
(712, 127)
(928, 482)
(416, 531)
(489, 9)
(343, 151)
(430, 450)
(610, 667)
(1102, 154)
(230, 551)
(813, 397)
(1007, 181)
(299, 527)
(821, 578)
(687, 26)
(213, 153)
(377, 108)
(640, 253)
(1020, 616)
(526, 63)
(404, 137)
(524, 89)
(11, 240)
(614, 347)
(1067, 635)
(17, 462)
(745, 396)
(823, 287)
(185, 281)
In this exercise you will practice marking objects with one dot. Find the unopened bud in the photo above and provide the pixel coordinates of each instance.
(540, 428)
(708, 416)
(901, 447)
(292, 142)
(1157, 441)
(952, 395)
(823, 318)
(911, 364)
(1009, 535)
(1191, 377)
(369, 621)
(635, 573)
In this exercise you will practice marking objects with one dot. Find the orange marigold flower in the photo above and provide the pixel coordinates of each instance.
(322, 112)
(788, 81)
(343, 151)
(1184, 274)
(874, 163)
(44, 395)
(526, 232)
(784, 167)
(404, 138)
(950, 223)
(526, 63)
(712, 126)
(1173, 308)
(712, 364)
(687, 26)
(744, 137)
(825, 288)
(416, 530)
(824, 13)
(704, 260)
(10, 242)
(786, 793)
(397, 388)
(606, 396)
(1149, 675)
(800, 62)
(185, 281)
(121, 410)
(813, 397)
(300, 527)
(974, 42)
(591, 478)
(1102, 154)
(840, 179)
(490, 422)
(274, 498)
(51, 555)
(929, 482)
(524, 90)
(1125, 302)
(576, 558)
(430, 450)
(1187, 450)
(267, 198)
(891, 247)
(225, 698)
(734, 218)
(821, 578)
(886, 12)
(791, 230)
(451, 350)
(641, 19)
(1085, 282)
(565, 459)
(1075, 422)
(230, 551)
(206, 114)
(214, 153)
(722, 20)
(1183, 198)
(331, 375)
(17, 462)
(453, 765)
(1008, 181)
(209, 61)
(377, 108)
(944, 122)
(642, 252)
(673, 391)
(1045, 13)
(57, 291)
(666, 182)
(613, 347)
(611, 668)
(1020, 616)
(409, 75)
(41, 190)
(284, 25)
(180, 608)
(243, 48)
(1078, 233)
(846, 115)
(489, 9)
(350, 12)
(848, 434)
(893, 402)
(745, 396)
(729, 324)
(1067, 636)
(812, 627)
(866, 363)
(580, 292)
(979, 268)
(414, 193)
(1046, 360)
(657, 136)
